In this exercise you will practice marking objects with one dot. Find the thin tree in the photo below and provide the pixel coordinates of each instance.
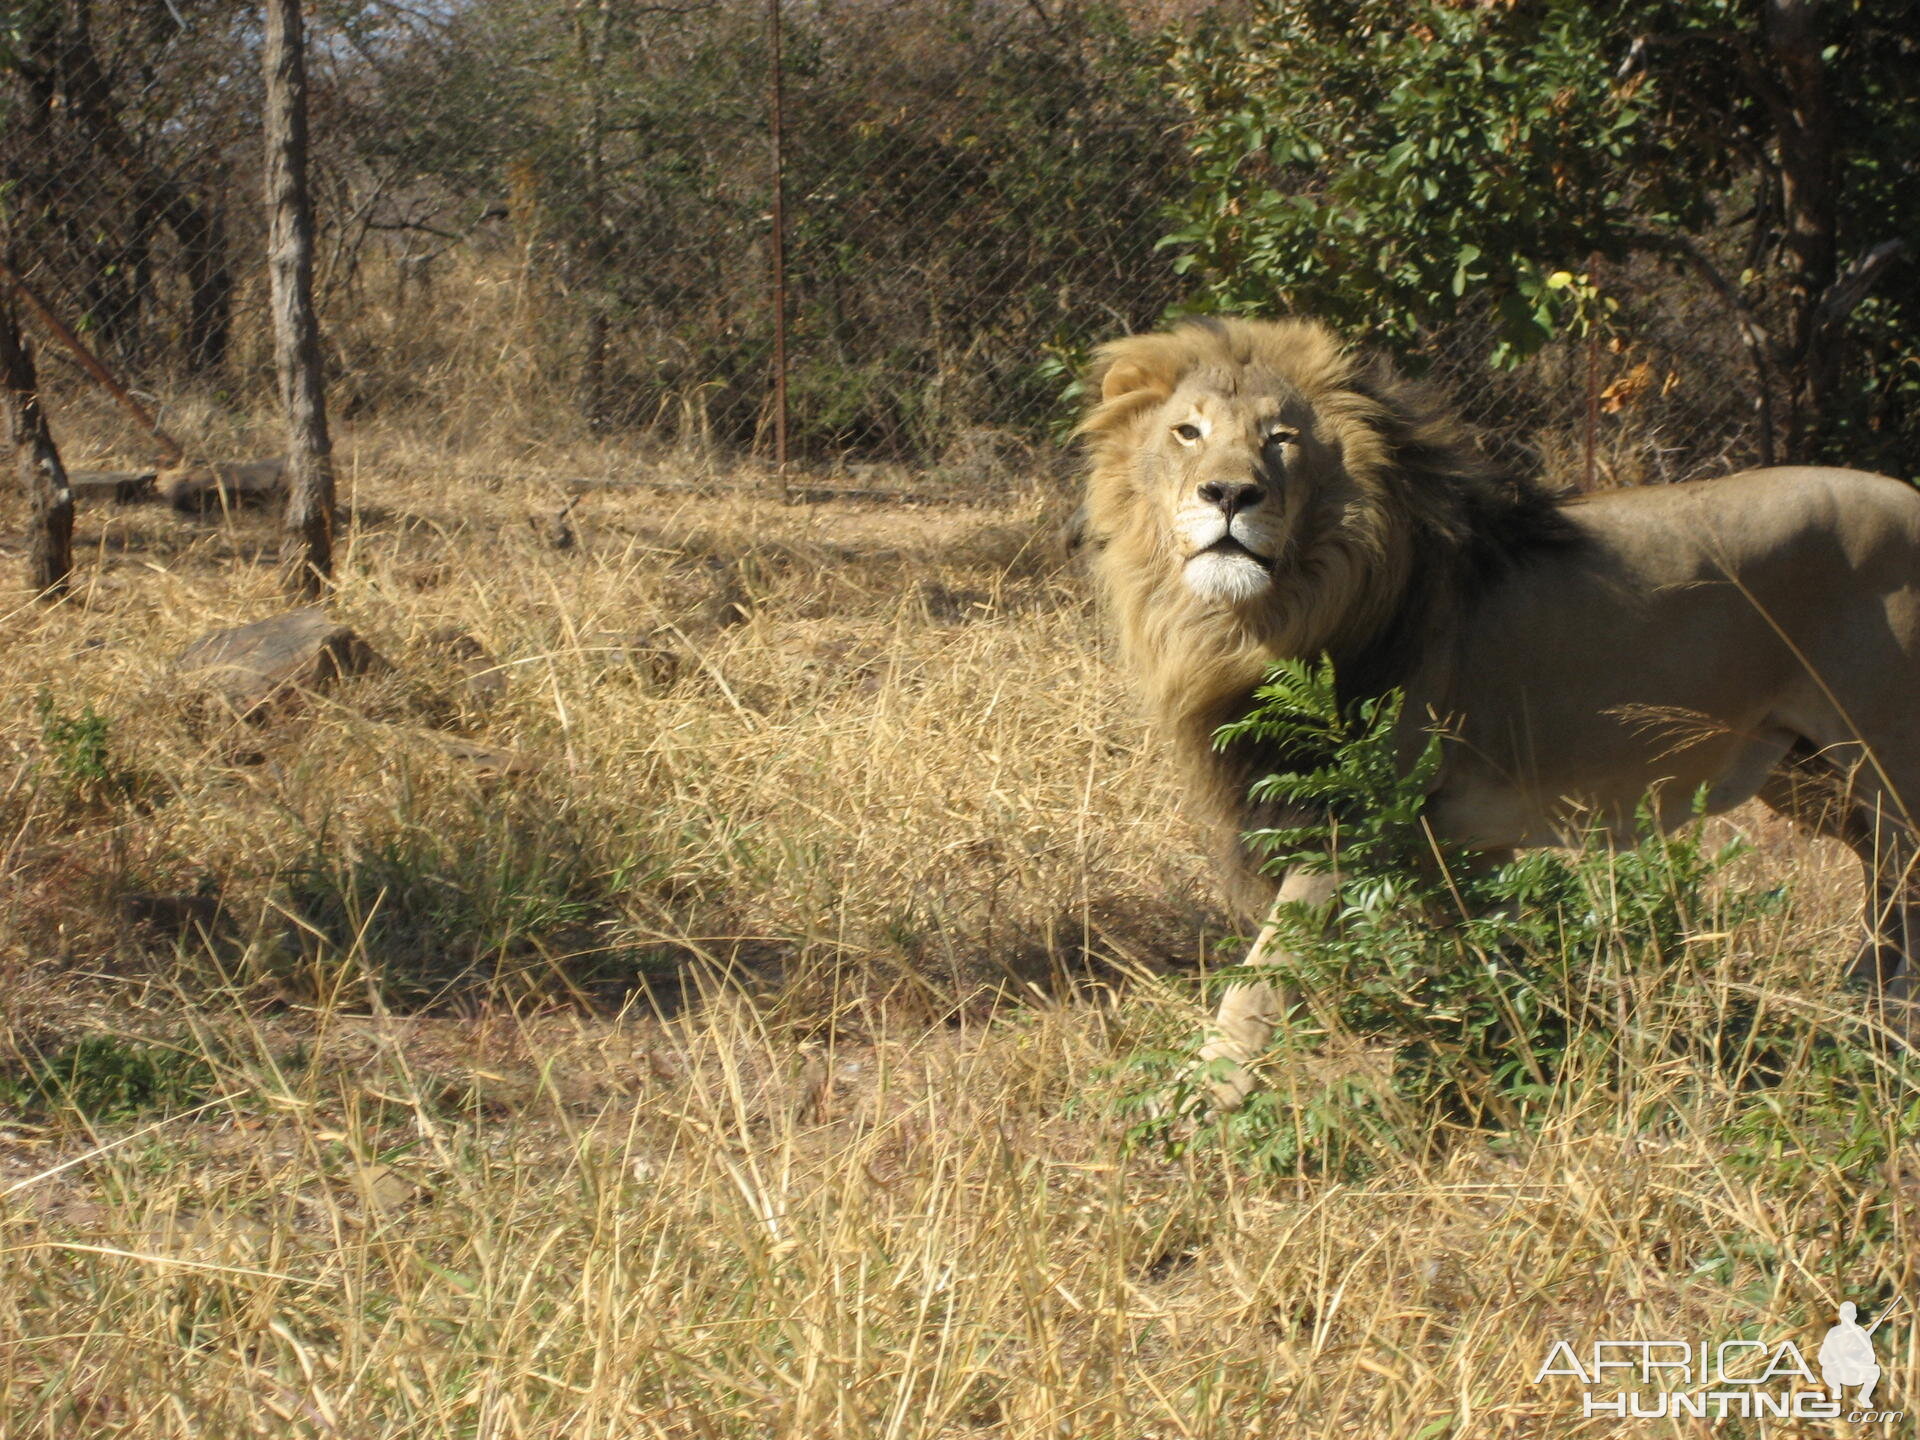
(42, 476)
(296, 332)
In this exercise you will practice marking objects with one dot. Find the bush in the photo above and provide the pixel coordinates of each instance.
(79, 753)
(1486, 989)
(104, 1079)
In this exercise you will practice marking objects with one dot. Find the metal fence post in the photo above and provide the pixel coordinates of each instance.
(779, 247)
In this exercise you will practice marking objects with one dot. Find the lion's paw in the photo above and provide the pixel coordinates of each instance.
(1222, 1074)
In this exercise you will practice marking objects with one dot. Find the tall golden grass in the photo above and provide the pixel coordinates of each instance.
(776, 1098)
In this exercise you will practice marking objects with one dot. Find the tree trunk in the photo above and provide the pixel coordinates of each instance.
(49, 500)
(296, 332)
(202, 234)
(593, 31)
(1798, 105)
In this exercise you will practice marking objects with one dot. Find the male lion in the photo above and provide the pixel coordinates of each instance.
(1258, 493)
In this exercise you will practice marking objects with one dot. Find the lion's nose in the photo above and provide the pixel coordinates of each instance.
(1233, 496)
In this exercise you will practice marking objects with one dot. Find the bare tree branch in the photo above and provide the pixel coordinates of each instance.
(1853, 285)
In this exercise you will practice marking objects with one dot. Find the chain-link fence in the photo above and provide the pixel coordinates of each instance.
(557, 220)
(119, 147)
(1659, 392)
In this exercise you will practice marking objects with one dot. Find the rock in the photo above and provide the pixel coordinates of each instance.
(947, 606)
(385, 1190)
(556, 530)
(200, 488)
(727, 606)
(485, 680)
(170, 914)
(660, 655)
(249, 669)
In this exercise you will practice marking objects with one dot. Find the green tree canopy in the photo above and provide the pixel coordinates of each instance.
(1390, 165)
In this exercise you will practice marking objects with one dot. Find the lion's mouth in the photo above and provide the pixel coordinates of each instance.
(1228, 546)
(1229, 572)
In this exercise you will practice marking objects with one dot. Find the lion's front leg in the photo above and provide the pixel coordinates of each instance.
(1252, 1009)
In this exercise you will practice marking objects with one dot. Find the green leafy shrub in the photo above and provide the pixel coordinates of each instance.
(1433, 156)
(1484, 988)
(105, 1078)
(79, 752)
(1397, 168)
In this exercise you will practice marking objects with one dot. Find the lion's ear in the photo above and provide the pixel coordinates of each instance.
(1138, 371)
(1127, 375)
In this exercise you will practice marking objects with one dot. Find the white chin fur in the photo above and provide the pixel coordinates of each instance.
(1230, 579)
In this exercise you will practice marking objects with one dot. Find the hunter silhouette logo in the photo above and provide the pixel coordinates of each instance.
(1733, 1379)
(1846, 1356)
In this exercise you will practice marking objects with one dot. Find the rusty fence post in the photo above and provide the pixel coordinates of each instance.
(777, 117)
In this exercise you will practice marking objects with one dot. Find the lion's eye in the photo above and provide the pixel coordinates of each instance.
(1188, 433)
(1281, 435)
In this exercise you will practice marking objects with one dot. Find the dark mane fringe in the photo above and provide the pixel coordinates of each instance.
(1473, 521)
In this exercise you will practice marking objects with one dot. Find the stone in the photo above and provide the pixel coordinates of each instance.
(122, 487)
(556, 529)
(728, 605)
(484, 682)
(170, 914)
(249, 670)
(385, 1190)
(661, 655)
(484, 760)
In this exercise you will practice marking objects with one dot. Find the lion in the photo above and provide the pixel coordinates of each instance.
(1258, 491)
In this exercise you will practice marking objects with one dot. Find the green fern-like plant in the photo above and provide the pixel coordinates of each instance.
(1481, 984)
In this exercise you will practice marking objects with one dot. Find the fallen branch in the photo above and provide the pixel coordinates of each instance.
(172, 451)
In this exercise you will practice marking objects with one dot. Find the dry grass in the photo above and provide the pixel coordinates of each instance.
(743, 1065)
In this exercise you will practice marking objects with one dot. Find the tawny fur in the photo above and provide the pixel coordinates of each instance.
(1412, 520)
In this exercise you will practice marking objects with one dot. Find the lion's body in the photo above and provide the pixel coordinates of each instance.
(1691, 640)
(1258, 494)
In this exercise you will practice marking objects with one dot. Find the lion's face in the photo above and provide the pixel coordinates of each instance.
(1227, 468)
(1235, 505)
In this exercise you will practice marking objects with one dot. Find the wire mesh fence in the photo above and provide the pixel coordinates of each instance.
(1655, 395)
(560, 220)
(115, 157)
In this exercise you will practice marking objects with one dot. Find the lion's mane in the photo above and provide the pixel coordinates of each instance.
(1411, 523)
